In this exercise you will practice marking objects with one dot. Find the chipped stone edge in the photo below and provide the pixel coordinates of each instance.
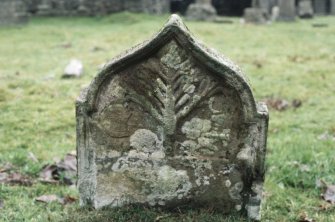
(218, 64)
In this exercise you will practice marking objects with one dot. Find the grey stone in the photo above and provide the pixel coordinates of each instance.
(332, 7)
(255, 16)
(202, 10)
(168, 123)
(275, 13)
(263, 4)
(73, 69)
(320, 7)
(287, 10)
(305, 9)
(13, 12)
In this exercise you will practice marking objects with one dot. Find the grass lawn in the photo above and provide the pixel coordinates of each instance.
(291, 61)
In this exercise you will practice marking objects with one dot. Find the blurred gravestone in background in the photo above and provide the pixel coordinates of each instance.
(13, 12)
(320, 7)
(305, 9)
(287, 10)
(171, 123)
(201, 10)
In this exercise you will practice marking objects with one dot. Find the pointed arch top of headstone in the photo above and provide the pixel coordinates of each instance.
(175, 29)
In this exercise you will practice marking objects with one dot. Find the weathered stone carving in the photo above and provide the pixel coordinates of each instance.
(168, 123)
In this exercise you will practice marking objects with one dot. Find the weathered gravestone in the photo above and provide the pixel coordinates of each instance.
(287, 10)
(201, 10)
(305, 9)
(12, 12)
(332, 7)
(320, 7)
(255, 15)
(168, 123)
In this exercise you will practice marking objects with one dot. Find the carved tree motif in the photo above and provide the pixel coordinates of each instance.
(176, 91)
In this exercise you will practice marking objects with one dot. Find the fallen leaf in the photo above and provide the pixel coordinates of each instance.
(66, 45)
(304, 218)
(63, 171)
(15, 179)
(325, 207)
(258, 64)
(67, 200)
(6, 167)
(47, 198)
(296, 103)
(97, 48)
(277, 104)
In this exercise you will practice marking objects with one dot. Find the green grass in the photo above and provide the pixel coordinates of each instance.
(283, 60)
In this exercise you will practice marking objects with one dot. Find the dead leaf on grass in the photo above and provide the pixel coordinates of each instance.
(66, 45)
(282, 104)
(61, 172)
(15, 179)
(54, 198)
(6, 167)
(47, 198)
(304, 218)
(68, 200)
(277, 104)
(296, 103)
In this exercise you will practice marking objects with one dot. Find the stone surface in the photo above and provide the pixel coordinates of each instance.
(255, 15)
(171, 123)
(263, 4)
(287, 10)
(95, 7)
(75, 68)
(320, 7)
(13, 12)
(305, 9)
(332, 7)
(202, 10)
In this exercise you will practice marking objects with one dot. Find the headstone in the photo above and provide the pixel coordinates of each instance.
(332, 7)
(263, 4)
(171, 123)
(275, 13)
(13, 12)
(255, 15)
(201, 10)
(287, 10)
(44, 8)
(320, 7)
(305, 9)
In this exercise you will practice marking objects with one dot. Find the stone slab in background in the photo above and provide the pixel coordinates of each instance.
(171, 123)
(202, 10)
(255, 16)
(305, 9)
(332, 7)
(287, 10)
(13, 12)
(320, 7)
